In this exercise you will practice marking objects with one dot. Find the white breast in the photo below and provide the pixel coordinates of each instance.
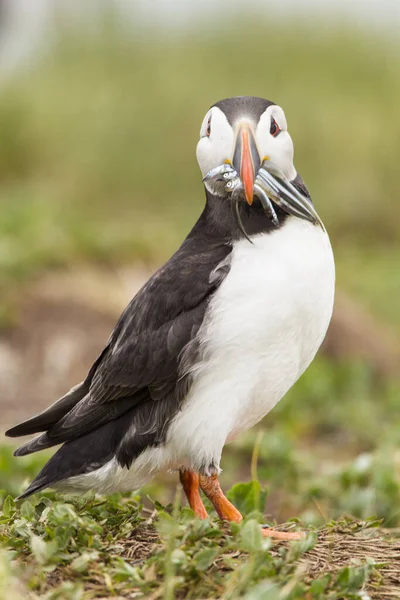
(262, 330)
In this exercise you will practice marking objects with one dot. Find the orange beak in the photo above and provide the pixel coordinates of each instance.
(246, 160)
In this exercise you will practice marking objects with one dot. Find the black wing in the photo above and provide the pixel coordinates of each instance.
(137, 374)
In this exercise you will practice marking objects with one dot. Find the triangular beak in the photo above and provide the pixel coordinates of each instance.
(246, 160)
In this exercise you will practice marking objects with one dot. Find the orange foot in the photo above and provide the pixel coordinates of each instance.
(281, 535)
(227, 512)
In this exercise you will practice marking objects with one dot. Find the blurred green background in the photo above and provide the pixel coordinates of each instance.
(98, 171)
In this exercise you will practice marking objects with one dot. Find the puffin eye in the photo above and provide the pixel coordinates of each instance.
(208, 131)
(274, 129)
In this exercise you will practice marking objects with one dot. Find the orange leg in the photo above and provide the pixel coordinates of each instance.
(225, 509)
(190, 484)
(227, 512)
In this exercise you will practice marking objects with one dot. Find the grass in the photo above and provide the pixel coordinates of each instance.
(88, 547)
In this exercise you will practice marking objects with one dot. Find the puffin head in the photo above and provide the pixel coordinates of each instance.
(245, 150)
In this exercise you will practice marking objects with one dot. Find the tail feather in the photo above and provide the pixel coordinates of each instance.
(51, 415)
(60, 434)
(82, 455)
(36, 486)
(41, 442)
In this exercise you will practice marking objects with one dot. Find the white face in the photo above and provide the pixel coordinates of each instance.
(217, 140)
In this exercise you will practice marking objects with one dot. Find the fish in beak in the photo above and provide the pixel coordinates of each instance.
(277, 187)
(247, 176)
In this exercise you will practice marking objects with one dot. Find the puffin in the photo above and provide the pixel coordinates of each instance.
(214, 339)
